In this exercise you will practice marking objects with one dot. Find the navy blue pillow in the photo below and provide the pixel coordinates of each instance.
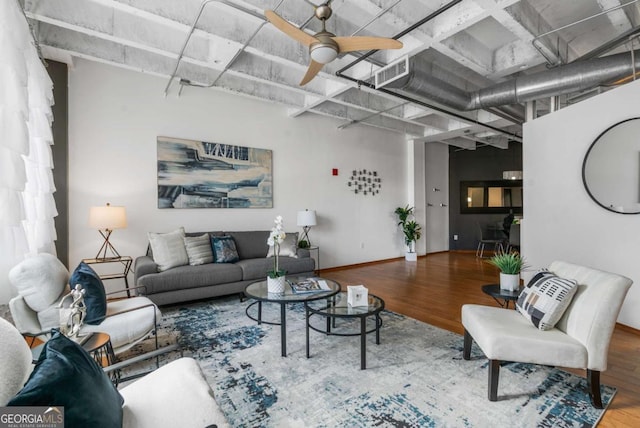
(95, 298)
(66, 375)
(224, 249)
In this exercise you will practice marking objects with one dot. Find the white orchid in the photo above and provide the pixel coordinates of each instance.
(276, 237)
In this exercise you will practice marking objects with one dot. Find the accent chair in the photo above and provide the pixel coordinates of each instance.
(580, 339)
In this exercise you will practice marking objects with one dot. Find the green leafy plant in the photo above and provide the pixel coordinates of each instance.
(509, 263)
(411, 229)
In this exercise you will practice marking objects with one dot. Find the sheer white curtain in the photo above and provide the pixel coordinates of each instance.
(27, 208)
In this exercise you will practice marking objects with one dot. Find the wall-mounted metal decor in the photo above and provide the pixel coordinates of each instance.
(365, 182)
(199, 174)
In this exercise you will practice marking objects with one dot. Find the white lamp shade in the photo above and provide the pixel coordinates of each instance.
(107, 217)
(323, 54)
(307, 218)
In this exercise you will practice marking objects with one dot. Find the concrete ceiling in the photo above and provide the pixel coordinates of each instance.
(472, 45)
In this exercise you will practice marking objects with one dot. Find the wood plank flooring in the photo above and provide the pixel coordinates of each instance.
(434, 289)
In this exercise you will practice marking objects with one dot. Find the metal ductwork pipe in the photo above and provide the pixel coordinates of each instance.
(569, 78)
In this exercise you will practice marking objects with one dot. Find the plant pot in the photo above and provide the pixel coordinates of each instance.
(510, 282)
(275, 285)
(411, 257)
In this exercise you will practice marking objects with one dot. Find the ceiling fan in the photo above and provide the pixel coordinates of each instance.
(324, 46)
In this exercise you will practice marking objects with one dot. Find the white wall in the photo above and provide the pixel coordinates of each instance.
(560, 220)
(115, 116)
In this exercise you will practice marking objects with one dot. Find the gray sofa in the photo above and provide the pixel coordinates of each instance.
(185, 283)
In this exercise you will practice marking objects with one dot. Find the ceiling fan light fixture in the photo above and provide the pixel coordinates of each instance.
(323, 54)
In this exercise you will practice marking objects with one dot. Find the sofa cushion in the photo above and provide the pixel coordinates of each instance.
(168, 249)
(288, 247)
(545, 298)
(257, 268)
(191, 277)
(224, 249)
(124, 325)
(198, 249)
(251, 245)
(95, 298)
(40, 280)
(66, 375)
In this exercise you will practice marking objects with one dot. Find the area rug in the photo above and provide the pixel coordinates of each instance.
(416, 377)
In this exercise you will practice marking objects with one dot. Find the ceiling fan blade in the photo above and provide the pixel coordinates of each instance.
(363, 43)
(314, 68)
(289, 29)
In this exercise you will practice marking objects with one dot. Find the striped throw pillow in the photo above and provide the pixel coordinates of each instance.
(545, 298)
(198, 249)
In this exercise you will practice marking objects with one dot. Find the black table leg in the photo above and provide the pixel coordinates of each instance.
(363, 343)
(306, 312)
(259, 312)
(283, 328)
(378, 324)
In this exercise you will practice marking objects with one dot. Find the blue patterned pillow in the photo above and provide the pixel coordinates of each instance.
(545, 298)
(224, 249)
(95, 298)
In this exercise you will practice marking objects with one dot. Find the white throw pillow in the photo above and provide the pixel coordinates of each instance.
(545, 299)
(288, 248)
(168, 249)
(40, 280)
(199, 249)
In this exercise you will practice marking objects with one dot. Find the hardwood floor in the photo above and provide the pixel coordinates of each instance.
(434, 289)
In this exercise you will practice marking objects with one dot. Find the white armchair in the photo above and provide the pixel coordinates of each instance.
(579, 340)
(175, 395)
(41, 282)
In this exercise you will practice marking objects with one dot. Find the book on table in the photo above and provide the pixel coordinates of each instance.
(308, 285)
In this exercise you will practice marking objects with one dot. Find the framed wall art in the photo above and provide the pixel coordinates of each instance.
(200, 174)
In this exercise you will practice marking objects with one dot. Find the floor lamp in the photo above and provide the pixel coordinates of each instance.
(106, 219)
(306, 219)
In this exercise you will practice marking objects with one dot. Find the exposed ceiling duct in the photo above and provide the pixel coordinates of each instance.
(574, 77)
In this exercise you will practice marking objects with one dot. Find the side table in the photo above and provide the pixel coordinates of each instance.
(502, 297)
(98, 345)
(125, 261)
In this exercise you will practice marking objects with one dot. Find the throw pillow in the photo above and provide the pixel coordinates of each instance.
(66, 375)
(288, 247)
(95, 298)
(198, 249)
(224, 249)
(40, 280)
(545, 298)
(168, 249)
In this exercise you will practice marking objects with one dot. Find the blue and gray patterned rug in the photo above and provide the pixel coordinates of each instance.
(416, 377)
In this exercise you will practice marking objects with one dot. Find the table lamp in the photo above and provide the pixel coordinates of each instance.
(306, 219)
(105, 219)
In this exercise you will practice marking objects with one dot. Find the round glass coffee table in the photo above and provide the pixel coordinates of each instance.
(337, 307)
(258, 291)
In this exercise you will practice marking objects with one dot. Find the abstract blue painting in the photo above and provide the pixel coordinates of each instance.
(199, 174)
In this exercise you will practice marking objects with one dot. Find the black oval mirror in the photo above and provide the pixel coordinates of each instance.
(611, 168)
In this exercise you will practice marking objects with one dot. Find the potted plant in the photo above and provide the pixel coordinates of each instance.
(510, 265)
(276, 276)
(411, 229)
